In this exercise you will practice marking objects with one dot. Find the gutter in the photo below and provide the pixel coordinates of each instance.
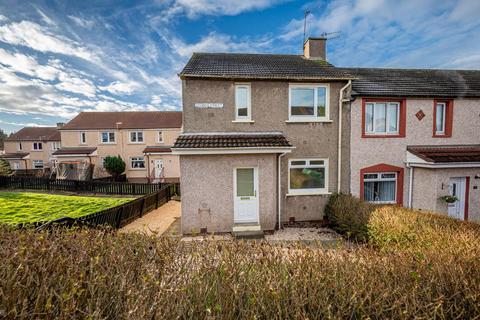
(339, 149)
(280, 190)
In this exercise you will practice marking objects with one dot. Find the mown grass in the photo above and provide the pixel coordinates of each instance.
(25, 207)
(411, 266)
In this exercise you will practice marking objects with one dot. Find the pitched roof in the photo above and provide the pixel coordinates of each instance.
(445, 154)
(14, 155)
(36, 134)
(259, 66)
(128, 120)
(74, 150)
(415, 82)
(231, 140)
(157, 149)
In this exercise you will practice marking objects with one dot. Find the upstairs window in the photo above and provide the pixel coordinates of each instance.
(108, 137)
(136, 137)
(83, 137)
(242, 102)
(383, 118)
(56, 145)
(160, 136)
(442, 118)
(19, 146)
(37, 146)
(308, 176)
(309, 103)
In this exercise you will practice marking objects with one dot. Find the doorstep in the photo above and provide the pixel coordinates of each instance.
(247, 231)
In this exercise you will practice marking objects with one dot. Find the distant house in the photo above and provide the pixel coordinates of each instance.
(142, 139)
(31, 148)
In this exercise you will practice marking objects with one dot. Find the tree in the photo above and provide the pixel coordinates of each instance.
(3, 136)
(5, 168)
(114, 166)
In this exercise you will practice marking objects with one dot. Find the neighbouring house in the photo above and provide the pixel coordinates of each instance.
(415, 137)
(31, 148)
(267, 138)
(261, 139)
(142, 139)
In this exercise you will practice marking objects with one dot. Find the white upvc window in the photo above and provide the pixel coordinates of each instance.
(160, 137)
(37, 164)
(19, 146)
(382, 118)
(136, 136)
(440, 112)
(83, 137)
(37, 146)
(309, 103)
(108, 137)
(137, 162)
(307, 176)
(243, 103)
(380, 187)
(16, 166)
(56, 145)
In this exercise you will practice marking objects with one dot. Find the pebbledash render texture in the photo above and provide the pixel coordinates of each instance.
(268, 138)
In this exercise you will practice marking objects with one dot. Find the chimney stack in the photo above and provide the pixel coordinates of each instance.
(60, 125)
(315, 48)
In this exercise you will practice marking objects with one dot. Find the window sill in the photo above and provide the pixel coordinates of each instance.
(307, 120)
(243, 121)
(138, 169)
(107, 143)
(308, 194)
(382, 136)
(136, 143)
(441, 136)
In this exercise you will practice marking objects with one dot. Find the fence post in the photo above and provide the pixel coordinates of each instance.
(168, 192)
(119, 217)
(142, 207)
(22, 183)
(156, 200)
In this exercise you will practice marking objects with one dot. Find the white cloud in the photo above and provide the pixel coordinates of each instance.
(23, 124)
(84, 23)
(194, 8)
(3, 18)
(120, 88)
(73, 83)
(30, 34)
(19, 62)
(156, 99)
(46, 18)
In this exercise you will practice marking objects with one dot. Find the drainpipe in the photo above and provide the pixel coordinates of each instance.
(339, 151)
(410, 185)
(280, 191)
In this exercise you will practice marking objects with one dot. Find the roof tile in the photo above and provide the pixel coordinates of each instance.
(233, 140)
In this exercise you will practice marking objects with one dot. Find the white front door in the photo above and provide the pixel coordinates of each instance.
(159, 168)
(456, 187)
(245, 195)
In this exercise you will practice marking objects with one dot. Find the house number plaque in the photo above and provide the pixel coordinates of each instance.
(209, 105)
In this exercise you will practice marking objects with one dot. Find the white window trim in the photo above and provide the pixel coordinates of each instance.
(144, 163)
(158, 136)
(19, 146)
(374, 133)
(33, 146)
(444, 104)
(308, 192)
(56, 143)
(382, 179)
(136, 136)
(314, 118)
(81, 140)
(37, 161)
(248, 117)
(109, 142)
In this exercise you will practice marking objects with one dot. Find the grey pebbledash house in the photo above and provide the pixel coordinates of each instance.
(267, 138)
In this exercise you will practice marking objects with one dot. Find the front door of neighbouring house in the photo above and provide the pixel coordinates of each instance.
(456, 188)
(246, 195)
(159, 169)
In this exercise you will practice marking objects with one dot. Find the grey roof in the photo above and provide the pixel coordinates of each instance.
(231, 140)
(260, 66)
(415, 82)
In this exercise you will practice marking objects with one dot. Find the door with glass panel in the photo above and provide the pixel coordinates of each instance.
(456, 188)
(380, 187)
(246, 195)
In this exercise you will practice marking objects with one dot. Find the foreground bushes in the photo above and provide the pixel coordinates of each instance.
(97, 274)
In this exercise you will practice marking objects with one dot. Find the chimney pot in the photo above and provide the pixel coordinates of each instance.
(60, 124)
(315, 48)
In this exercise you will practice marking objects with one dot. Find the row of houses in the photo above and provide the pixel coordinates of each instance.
(267, 138)
(77, 149)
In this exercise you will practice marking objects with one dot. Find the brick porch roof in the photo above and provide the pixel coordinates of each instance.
(446, 154)
(231, 140)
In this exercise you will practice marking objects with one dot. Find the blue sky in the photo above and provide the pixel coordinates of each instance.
(58, 58)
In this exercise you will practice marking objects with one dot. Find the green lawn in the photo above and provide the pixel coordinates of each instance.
(24, 207)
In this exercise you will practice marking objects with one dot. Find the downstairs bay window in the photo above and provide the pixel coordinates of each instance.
(308, 176)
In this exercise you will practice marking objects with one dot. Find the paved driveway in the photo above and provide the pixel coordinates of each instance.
(156, 221)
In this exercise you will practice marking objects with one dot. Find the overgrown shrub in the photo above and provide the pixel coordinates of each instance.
(77, 274)
(5, 169)
(115, 166)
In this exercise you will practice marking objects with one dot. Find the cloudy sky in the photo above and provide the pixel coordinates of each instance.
(61, 57)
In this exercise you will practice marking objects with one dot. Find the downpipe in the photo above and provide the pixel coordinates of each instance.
(339, 147)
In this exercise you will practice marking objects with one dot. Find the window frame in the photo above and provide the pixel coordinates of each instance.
(384, 168)
(314, 117)
(248, 117)
(308, 191)
(378, 179)
(38, 161)
(56, 145)
(401, 119)
(448, 118)
(132, 159)
(36, 145)
(19, 146)
(109, 140)
(83, 137)
(387, 118)
(136, 132)
(160, 134)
